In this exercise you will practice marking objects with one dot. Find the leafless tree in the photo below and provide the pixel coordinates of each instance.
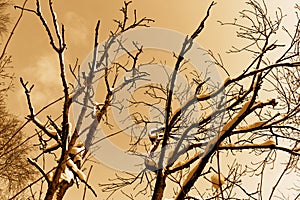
(57, 139)
(4, 61)
(238, 136)
(212, 157)
(15, 171)
(4, 18)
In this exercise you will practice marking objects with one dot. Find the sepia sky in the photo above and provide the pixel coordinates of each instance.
(32, 54)
(34, 60)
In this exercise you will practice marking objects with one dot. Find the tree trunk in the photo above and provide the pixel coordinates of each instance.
(62, 189)
(159, 186)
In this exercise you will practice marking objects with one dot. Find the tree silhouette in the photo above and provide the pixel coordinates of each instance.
(4, 18)
(4, 61)
(244, 126)
(15, 171)
(243, 122)
(56, 136)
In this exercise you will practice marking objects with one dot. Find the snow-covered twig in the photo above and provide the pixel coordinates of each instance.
(80, 175)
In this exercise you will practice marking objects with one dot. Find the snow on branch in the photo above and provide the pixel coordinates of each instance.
(52, 148)
(184, 164)
(75, 169)
(252, 126)
(268, 144)
(231, 122)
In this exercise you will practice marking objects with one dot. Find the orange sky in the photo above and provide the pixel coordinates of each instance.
(34, 60)
(30, 47)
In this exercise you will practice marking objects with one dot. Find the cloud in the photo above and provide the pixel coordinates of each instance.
(45, 75)
(76, 28)
(47, 70)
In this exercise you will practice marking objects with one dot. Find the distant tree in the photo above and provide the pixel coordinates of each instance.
(237, 136)
(4, 17)
(4, 60)
(15, 171)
